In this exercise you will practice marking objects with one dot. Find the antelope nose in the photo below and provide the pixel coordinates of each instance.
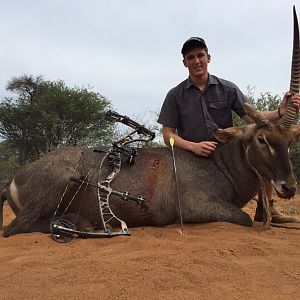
(289, 191)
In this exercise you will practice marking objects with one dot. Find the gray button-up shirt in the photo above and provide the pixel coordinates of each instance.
(196, 114)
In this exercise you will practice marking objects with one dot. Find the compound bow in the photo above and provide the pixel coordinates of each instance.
(63, 230)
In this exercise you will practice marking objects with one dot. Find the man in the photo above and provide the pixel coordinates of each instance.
(203, 102)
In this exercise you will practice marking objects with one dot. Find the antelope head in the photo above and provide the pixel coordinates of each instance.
(266, 146)
(267, 143)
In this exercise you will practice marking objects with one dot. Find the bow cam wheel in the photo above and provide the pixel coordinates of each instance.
(59, 230)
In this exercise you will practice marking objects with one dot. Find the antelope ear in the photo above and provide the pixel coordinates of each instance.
(257, 116)
(295, 131)
(229, 134)
(252, 112)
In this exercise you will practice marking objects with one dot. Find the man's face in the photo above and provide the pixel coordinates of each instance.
(196, 60)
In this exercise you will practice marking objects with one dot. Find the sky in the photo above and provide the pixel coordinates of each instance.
(129, 51)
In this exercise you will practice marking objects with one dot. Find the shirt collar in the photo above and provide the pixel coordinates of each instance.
(211, 80)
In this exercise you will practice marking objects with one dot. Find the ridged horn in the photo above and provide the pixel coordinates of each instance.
(291, 111)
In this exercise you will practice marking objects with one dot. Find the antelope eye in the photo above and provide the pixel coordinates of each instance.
(261, 140)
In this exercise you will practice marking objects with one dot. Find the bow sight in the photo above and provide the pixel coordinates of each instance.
(63, 230)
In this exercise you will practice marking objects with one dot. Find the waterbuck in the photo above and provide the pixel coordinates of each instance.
(211, 189)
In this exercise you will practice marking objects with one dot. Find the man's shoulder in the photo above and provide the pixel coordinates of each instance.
(217, 80)
(178, 88)
(229, 87)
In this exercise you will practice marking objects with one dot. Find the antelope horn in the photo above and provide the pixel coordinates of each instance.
(291, 111)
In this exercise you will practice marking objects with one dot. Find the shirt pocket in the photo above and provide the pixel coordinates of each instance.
(220, 113)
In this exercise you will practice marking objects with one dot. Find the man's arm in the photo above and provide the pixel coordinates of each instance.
(202, 148)
(274, 115)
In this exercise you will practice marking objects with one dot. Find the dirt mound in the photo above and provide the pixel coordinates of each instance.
(209, 261)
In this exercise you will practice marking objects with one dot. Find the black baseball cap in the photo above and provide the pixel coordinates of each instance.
(191, 43)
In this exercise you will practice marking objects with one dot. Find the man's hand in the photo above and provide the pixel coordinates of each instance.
(284, 101)
(204, 148)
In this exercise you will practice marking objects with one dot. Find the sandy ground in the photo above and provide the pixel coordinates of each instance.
(209, 261)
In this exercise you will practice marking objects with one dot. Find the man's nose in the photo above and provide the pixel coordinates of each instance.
(197, 60)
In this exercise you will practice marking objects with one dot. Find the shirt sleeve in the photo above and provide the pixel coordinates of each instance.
(169, 114)
(239, 99)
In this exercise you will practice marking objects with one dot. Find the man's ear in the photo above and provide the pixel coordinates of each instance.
(295, 131)
(229, 134)
(184, 63)
(208, 58)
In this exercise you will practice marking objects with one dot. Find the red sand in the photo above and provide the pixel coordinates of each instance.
(209, 261)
